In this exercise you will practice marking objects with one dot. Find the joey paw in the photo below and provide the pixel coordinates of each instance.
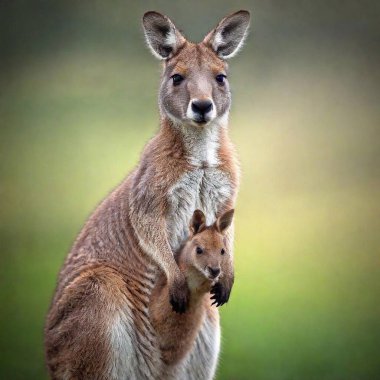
(179, 295)
(220, 294)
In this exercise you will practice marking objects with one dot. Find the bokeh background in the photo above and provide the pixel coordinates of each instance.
(78, 92)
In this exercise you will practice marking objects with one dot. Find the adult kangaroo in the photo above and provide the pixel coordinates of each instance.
(98, 325)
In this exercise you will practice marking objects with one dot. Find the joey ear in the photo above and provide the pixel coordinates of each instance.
(224, 221)
(161, 35)
(228, 37)
(198, 222)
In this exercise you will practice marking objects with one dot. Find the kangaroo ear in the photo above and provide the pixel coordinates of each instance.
(228, 37)
(161, 35)
(198, 222)
(224, 221)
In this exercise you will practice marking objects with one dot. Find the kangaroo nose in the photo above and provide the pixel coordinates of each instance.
(201, 107)
(214, 272)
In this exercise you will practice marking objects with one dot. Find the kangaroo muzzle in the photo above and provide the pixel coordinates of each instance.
(201, 111)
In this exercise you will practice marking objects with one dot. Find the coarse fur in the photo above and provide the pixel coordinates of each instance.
(98, 325)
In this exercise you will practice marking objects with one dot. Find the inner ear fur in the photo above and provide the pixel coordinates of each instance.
(229, 35)
(198, 222)
(224, 221)
(161, 35)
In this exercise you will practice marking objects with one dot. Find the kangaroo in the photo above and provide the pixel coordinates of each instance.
(98, 325)
(204, 260)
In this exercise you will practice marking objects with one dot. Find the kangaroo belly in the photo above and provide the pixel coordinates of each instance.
(206, 189)
(202, 359)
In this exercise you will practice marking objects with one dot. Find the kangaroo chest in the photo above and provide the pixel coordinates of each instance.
(206, 189)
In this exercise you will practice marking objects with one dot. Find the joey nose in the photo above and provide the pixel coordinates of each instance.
(214, 272)
(201, 107)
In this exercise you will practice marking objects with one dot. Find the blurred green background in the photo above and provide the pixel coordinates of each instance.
(78, 93)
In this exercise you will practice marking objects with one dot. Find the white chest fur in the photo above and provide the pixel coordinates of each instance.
(206, 189)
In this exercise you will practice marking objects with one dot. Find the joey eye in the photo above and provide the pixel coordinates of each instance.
(177, 79)
(220, 78)
(222, 252)
(199, 250)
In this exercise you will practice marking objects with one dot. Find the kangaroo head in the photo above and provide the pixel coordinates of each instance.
(205, 256)
(194, 88)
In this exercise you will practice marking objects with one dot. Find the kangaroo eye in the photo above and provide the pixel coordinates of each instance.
(220, 78)
(177, 79)
(199, 250)
(222, 252)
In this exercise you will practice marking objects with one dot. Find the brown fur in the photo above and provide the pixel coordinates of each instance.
(177, 332)
(114, 263)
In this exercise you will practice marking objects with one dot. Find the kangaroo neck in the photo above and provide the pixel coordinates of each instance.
(200, 144)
